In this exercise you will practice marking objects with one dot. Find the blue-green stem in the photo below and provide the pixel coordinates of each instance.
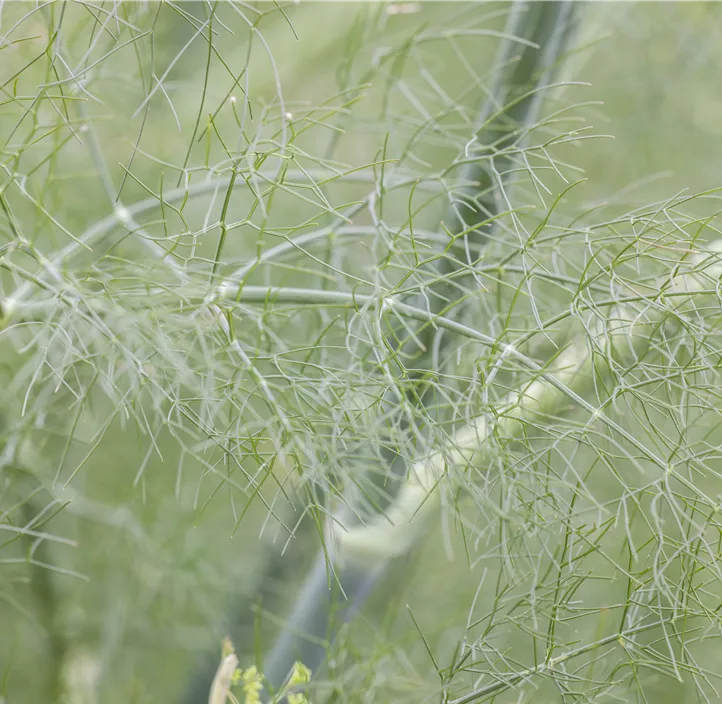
(310, 628)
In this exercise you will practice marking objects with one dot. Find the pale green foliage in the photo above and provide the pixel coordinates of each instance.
(218, 264)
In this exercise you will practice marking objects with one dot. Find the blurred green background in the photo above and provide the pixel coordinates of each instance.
(157, 572)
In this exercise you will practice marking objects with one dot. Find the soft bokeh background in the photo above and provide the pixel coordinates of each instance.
(160, 565)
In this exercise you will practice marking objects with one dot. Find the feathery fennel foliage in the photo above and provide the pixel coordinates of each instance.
(232, 286)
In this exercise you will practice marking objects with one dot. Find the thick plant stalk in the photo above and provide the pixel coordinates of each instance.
(395, 533)
(221, 685)
(311, 617)
(353, 575)
(49, 607)
(223, 680)
(513, 106)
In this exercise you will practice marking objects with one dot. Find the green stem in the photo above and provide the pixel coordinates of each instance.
(515, 678)
(311, 613)
(46, 597)
(125, 216)
(396, 532)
